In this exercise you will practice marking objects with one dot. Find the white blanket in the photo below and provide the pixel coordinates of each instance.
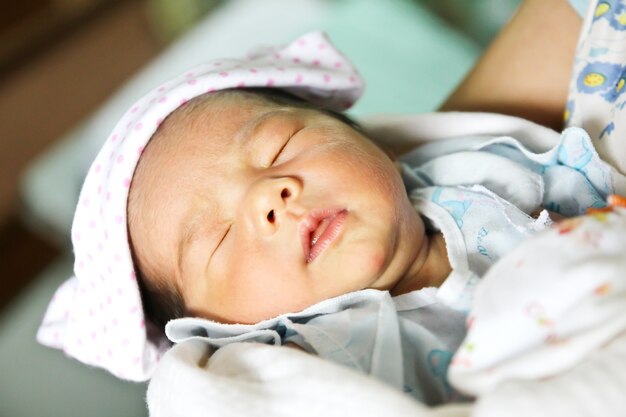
(250, 379)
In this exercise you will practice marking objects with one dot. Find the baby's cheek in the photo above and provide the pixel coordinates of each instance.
(369, 264)
(376, 262)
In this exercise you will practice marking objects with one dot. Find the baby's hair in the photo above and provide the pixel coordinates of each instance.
(272, 96)
(162, 302)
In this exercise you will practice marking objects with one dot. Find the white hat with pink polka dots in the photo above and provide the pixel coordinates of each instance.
(97, 316)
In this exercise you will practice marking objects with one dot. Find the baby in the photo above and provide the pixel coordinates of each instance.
(254, 214)
(193, 214)
(272, 206)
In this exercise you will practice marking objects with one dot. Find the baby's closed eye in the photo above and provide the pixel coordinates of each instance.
(280, 153)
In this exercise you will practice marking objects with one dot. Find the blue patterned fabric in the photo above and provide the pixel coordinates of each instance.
(596, 98)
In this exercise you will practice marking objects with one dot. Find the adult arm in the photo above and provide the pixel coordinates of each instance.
(526, 71)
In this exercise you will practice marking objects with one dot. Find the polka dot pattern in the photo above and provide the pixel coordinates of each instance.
(96, 316)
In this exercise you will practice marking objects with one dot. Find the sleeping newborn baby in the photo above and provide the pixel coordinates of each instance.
(264, 204)
(236, 203)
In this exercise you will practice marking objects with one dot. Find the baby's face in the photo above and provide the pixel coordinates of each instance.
(253, 210)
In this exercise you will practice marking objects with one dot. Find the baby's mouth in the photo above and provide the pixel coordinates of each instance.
(319, 230)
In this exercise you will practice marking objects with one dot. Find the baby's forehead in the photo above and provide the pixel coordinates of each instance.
(206, 131)
(242, 99)
(216, 115)
(214, 121)
(205, 114)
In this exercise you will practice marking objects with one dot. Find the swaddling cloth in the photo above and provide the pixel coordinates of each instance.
(567, 179)
(405, 341)
(480, 191)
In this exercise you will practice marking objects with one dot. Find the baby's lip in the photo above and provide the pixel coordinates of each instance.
(319, 229)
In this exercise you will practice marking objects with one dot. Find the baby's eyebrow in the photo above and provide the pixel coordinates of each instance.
(252, 128)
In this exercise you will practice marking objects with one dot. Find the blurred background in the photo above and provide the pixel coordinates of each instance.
(70, 68)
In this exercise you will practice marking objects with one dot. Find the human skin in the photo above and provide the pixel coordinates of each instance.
(526, 70)
(238, 180)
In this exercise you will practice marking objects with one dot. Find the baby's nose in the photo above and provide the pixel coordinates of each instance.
(284, 195)
(275, 200)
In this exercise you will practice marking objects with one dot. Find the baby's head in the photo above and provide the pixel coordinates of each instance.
(238, 206)
(247, 204)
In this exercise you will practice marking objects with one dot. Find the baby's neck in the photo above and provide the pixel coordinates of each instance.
(430, 269)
